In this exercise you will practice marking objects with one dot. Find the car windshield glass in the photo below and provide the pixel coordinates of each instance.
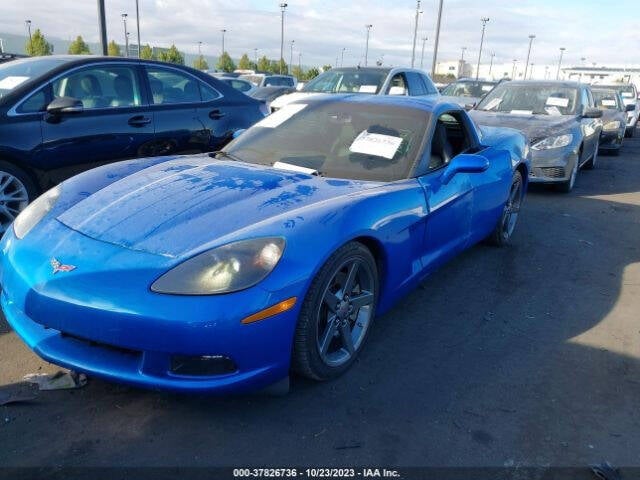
(606, 99)
(255, 79)
(338, 139)
(15, 73)
(527, 99)
(347, 81)
(626, 91)
(468, 89)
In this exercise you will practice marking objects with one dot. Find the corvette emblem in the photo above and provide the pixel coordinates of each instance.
(60, 267)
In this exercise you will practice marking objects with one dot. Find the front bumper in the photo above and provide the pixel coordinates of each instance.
(611, 140)
(552, 166)
(122, 332)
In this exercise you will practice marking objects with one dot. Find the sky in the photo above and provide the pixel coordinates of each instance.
(320, 29)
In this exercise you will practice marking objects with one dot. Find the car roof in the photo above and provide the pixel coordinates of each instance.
(550, 83)
(427, 104)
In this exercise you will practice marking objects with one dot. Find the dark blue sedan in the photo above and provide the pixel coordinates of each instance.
(61, 115)
(223, 272)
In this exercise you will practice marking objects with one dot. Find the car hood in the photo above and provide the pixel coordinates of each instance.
(535, 127)
(283, 100)
(176, 207)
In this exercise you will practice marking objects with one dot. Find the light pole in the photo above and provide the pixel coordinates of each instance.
(283, 7)
(138, 25)
(126, 35)
(299, 65)
(415, 33)
(562, 49)
(366, 48)
(464, 49)
(291, 56)
(493, 54)
(484, 21)
(513, 71)
(28, 24)
(461, 66)
(526, 65)
(424, 40)
(199, 49)
(342, 56)
(255, 55)
(102, 28)
(223, 31)
(435, 46)
(531, 72)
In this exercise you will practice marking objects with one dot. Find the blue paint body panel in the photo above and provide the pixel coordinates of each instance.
(126, 224)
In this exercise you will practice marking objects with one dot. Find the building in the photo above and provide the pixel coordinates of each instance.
(457, 68)
(603, 74)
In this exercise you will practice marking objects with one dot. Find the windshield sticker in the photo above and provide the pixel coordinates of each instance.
(627, 94)
(553, 110)
(558, 102)
(521, 112)
(493, 104)
(487, 88)
(376, 144)
(281, 116)
(608, 103)
(10, 83)
(368, 89)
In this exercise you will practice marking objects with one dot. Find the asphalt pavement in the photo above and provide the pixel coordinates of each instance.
(524, 356)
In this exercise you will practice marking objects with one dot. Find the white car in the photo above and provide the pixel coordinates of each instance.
(270, 80)
(366, 80)
(629, 94)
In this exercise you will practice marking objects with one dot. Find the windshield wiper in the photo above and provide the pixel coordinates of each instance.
(228, 155)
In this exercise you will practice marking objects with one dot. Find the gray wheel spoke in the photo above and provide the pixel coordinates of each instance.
(351, 278)
(328, 334)
(347, 339)
(331, 300)
(362, 300)
(5, 180)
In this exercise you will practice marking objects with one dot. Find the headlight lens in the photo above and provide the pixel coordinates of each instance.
(229, 268)
(614, 125)
(553, 142)
(35, 212)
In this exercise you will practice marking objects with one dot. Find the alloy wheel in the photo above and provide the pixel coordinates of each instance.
(13, 199)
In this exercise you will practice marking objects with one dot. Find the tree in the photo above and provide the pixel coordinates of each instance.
(274, 67)
(264, 63)
(114, 49)
(146, 52)
(244, 63)
(313, 72)
(298, 72)
(172, 55)
(225, 63)
(79, 47)
(38, 45)
(200, 63)
(326, 67)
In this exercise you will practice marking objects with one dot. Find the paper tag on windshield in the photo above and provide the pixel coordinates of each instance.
(493, 104)
(627, 94)
(552, 110)
(487, 88)
(368, 89)
(521, 112)
(376, 144)
(558, 102)
(279, 117)
(609, 103)
(10, 83)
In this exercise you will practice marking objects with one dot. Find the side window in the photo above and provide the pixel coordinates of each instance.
(450, 138)
(172, 87)
(241, 86)
(35, 103)
(101, 87)
(208, 93)
(398, 86)
(429, 86)
(416, 87)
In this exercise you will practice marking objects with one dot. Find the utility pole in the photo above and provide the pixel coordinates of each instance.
(424, 40)
(283, 7)
(415, 33)
(126, 35)
(291, 56)
(342, 57)
(562, 49)
(102, 27)
(484, 21)
(366, 48)
(513, 72)
(223, 31)
(526, 65)
(493, 54)
(138, 25)
(28, 24)
(435, 46)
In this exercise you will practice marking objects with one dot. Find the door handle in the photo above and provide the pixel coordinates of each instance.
(216, 114)
(139, 121)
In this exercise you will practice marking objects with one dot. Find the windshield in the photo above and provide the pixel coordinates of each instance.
(527, 99)
(15, 73)
(626, 90)
(468, 89)
(607, 99)
(347, 81)
(255, 79)
(337, 139)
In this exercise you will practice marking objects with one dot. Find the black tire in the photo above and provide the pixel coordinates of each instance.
(566, 187)
(593, 161)
(630, 132)
(502, 233)
(15, 184)
(307, 359)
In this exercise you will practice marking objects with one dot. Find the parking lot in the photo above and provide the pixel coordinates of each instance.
(524, 356)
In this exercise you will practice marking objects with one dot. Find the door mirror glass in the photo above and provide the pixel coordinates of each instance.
(630, 108)
(464, 163)
(592, 113)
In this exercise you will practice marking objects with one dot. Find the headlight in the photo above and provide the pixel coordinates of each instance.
(553, 142)
(229, 268)
(614, 125)
(35, 212)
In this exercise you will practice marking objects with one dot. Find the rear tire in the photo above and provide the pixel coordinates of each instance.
(17, 190)
(503, 232)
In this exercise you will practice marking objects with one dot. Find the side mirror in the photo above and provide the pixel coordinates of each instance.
(592, 113)
(64, 105)
(470, 106)
(464, 163)
(630, 108)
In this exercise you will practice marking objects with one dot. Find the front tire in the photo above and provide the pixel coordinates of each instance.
(16, 191)
(566, 187)
(337, 314)
(631, 132)
(503, 232)
(593, 161)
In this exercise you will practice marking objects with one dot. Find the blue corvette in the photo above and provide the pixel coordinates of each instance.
(224, 272)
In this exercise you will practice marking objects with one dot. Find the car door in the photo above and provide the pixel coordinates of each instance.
(175, 100)
(114, 123)
(590, 126)
(450, 203)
